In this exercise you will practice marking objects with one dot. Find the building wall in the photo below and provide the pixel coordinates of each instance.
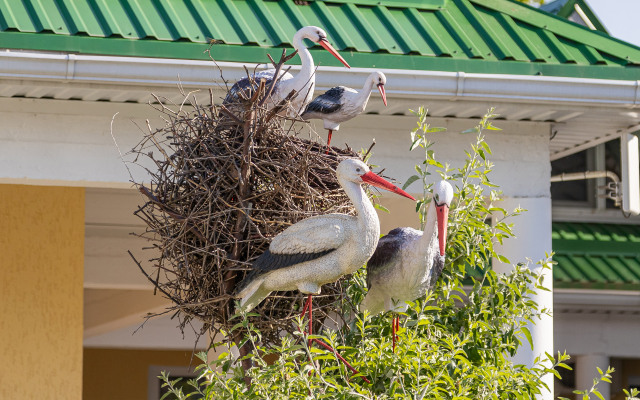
(124, 374)
(41, 275)
(70, 143)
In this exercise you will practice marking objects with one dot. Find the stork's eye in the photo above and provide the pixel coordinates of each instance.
(436, 197)
(357, 169)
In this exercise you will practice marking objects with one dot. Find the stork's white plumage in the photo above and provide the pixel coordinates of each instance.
(321, 249)
(407, 262)
(303, 83)
(340, 103)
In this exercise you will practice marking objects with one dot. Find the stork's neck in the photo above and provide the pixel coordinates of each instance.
(304, 77)
(367, 217)
(363, 97)
(429, 227)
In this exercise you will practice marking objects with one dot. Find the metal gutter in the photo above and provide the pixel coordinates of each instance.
(590, 299)
(21, 65)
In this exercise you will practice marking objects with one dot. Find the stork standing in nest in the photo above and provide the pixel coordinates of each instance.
(320, 249)
(304, 81)
(407, 262)
(340, 103)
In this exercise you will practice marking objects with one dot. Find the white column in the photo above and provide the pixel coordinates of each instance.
(586, 371)
(532, 241)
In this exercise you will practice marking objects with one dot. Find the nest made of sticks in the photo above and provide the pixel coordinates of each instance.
(223, 183)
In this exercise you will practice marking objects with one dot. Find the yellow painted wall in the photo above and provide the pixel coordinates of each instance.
(123, 374)
(41, 279)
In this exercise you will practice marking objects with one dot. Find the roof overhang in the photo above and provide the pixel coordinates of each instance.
(583, 112)
(588, 300)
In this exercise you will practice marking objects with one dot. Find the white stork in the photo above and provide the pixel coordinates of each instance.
(408, 262)
(303, 83)
(340, 103)
(320, 249)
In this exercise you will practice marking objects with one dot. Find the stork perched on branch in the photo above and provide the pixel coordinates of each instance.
(340, 103)
(304, 81)
(408, 262)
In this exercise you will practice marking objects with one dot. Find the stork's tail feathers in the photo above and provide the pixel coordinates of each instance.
(251, 295)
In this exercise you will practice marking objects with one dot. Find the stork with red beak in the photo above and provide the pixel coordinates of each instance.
(320, 249)
(340, 103)
(408, 262)
(303, 83)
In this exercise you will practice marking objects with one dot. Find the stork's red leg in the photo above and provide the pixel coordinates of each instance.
(329, 141)
(310, 316)
(305, 307)
(393, 332)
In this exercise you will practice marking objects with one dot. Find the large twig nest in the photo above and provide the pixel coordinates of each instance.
(226, 180)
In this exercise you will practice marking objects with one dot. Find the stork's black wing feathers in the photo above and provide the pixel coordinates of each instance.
(245, 87)
(269, 261)
(388, 247)
(326, 103)
(436, 269)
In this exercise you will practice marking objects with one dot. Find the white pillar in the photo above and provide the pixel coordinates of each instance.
(532, 241)
(586, 371)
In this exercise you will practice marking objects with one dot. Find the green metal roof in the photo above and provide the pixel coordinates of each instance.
(567, 8)
(485, 36)
(596, 256)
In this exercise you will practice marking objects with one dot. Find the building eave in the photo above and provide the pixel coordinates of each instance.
(562, 101)
(572, 300)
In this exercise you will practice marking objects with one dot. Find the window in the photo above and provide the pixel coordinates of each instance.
(155, 389)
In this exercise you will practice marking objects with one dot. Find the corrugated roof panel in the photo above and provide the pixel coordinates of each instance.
(468, 39)
(247, 22)
(442, 32)
(394, 21)
(360, 17)
(287, 21)
(520, 37)
(524, 39)
(52, 17)
(624, 272)
(214, 17)
(490, 35)
(596, 255)
(83, 19)
(417, 28)
(271, 24)
(501, 33)
(342, 32)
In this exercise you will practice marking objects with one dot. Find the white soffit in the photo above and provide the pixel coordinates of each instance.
(583, 112)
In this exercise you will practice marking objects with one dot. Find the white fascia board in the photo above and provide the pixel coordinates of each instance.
(597, 299)
(405, 83)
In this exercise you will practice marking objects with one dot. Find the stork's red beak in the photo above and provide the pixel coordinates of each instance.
(442, 215)
(327, 46)
(382, 93)
(374, 180)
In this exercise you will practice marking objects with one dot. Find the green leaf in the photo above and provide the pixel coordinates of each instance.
(527, 334)
(415, 143)
(409, 181)
(436, 129)
(381, 208)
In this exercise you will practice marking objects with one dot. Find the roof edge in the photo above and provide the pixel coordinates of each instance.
(451, 85)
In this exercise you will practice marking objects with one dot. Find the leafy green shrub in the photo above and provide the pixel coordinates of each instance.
(456, 343)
